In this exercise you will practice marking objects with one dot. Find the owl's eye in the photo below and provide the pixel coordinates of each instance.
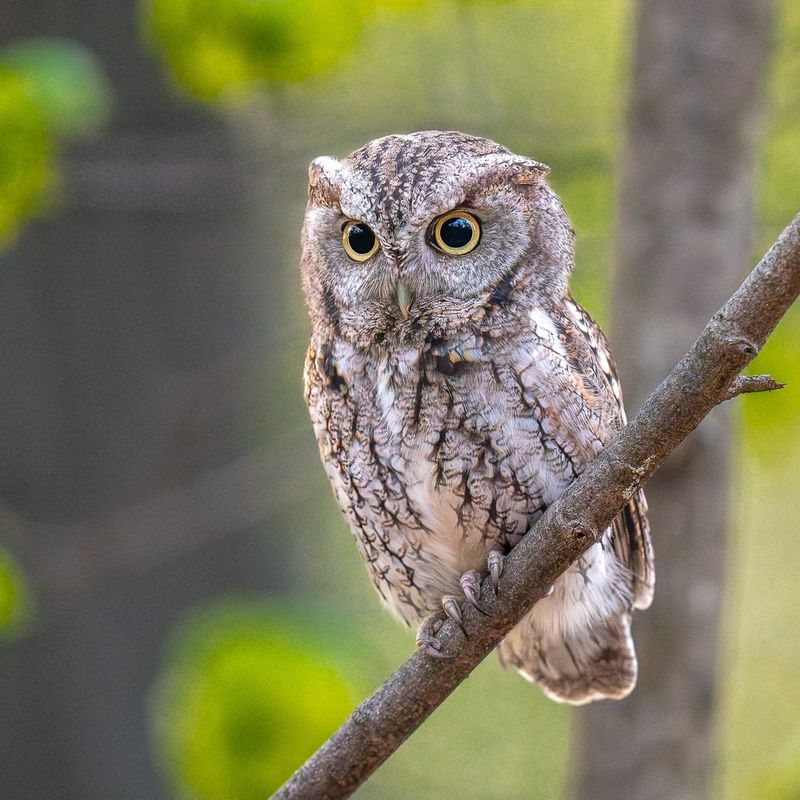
(456, 233)
(359, 240)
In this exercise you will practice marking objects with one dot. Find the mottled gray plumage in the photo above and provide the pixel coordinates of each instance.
(455, 396)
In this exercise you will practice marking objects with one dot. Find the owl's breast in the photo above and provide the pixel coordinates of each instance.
(475, 461)
(433, 463)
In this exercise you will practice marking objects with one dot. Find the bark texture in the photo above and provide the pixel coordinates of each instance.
(685, 221)
(701, 380)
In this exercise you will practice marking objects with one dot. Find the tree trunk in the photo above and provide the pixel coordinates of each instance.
(685, 219)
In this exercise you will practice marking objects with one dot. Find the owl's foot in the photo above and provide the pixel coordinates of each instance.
(426, 636)
(470, 583)
(431, 625)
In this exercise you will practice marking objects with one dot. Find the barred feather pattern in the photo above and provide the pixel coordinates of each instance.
(448, 430)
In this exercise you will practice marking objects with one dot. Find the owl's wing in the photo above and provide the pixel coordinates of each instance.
(630, 531)
(631, 541)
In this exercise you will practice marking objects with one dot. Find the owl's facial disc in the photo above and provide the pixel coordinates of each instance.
(453, 234)
(360, 244)
(412, 235)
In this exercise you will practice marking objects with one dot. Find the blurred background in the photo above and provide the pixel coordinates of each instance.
(183, 613)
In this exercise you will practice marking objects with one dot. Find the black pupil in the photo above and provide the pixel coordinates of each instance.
(456, 232)
(361, 239)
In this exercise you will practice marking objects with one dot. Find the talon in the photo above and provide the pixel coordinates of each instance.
(434, 652)
(471, 586)
(453, 611)
(426, 637)
(429, 627)
(495, 560)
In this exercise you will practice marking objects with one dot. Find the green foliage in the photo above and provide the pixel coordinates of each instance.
(26, 155)
(393, 5)
(66, 82)
(214, 50)
(16, 601)
(49, 88)
(780, 784)
(243, 700)
(760, 730)
(769, 420)
(780, 162)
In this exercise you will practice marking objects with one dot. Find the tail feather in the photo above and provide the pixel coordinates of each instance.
(576, 643)
(578, 667)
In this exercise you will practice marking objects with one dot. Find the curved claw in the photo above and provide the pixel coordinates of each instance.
(434, 652)
(453, 611)
(471, 586)
(426, 638)
(495, 560)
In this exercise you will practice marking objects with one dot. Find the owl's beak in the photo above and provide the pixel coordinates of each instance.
(404, 299)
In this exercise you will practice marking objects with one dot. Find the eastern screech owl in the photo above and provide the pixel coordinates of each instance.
(456, 388)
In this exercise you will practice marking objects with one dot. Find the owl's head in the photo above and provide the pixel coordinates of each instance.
(411, 235)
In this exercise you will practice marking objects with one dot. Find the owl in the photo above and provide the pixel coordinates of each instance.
(456, 389)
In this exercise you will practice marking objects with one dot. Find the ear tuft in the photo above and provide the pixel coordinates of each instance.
(499, 168)
(530, 172)
(323, 181)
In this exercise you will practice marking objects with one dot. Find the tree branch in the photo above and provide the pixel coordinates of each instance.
(705, 377)
(743, 384)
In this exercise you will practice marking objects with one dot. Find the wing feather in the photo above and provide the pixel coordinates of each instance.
(630, 531)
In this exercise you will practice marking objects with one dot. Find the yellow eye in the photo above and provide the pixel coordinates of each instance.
(359, 240)
(456, 233)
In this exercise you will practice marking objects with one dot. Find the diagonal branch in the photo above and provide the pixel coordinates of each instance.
(706, 376)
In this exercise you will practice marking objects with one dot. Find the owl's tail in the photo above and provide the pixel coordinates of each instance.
(576, 644)
(592, 665)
